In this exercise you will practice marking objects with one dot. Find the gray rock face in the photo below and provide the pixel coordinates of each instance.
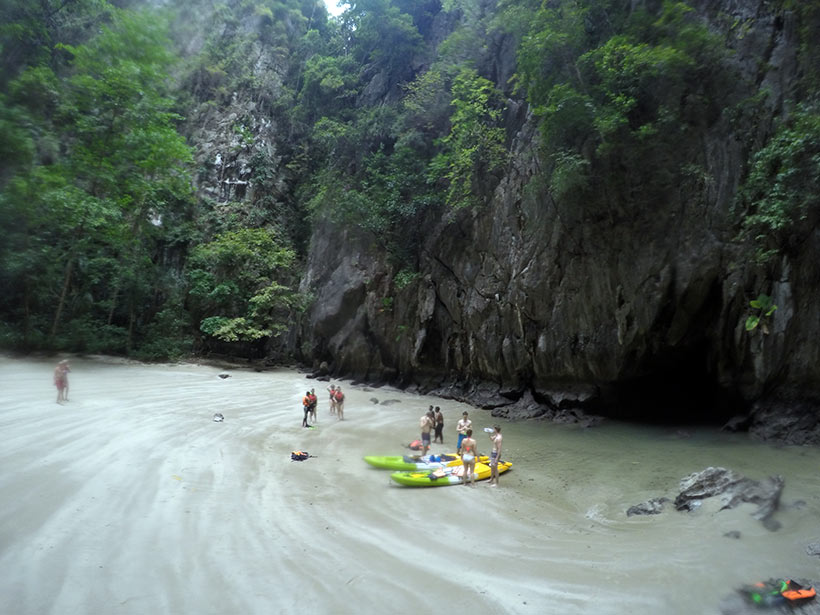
(733, 490)
(537, 311)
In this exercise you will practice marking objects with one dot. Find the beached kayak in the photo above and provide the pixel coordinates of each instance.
(441, 477)
(416, 462)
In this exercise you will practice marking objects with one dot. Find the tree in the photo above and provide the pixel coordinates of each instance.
(91, 220)
(239, 285)
(474, 149)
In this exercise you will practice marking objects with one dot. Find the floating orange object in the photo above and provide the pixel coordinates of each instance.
(798, 592)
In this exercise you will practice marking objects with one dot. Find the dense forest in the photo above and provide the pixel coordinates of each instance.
(171, 169)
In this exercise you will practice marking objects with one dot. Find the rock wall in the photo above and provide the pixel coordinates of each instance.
(531, 309)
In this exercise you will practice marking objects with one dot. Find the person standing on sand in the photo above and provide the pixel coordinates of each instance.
(468, 457)
(426, 423)
(461, 427)
(439, 418)
(314, 401)
(61, 380)
(306, 408)
(495, 455)
(332, 390)
(340, 403)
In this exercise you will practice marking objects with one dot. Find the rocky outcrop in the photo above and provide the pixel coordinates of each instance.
(732, 489)
(537, 310)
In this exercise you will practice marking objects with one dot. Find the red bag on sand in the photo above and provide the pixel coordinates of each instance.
(415, 445)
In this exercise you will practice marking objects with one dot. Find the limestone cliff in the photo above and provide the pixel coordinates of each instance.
(531, 309)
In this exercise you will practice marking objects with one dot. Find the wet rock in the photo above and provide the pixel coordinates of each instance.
(733, 489)
(218, 418)
(224, 375)
(786, 423)
(813, 549)
(374, 400)
(733, 534)
(737, 423)
(650, 507)
(390, 402)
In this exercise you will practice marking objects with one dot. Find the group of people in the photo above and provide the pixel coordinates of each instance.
(432, 426)
(431, 422)
(310, 401)
(466, 446)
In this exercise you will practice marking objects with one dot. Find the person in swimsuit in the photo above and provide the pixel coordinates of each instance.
(495, 455)
(426, 423)
(439, 417)
(332, 390)
(314, 401)
(61, 380)
(468, 457)
(461, 427)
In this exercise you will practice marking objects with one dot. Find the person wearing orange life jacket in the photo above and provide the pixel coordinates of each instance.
(306, 408)
(469, 452)
(340, 403)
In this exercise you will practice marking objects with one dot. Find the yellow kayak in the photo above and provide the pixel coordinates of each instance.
(417, 462)
(441, 477)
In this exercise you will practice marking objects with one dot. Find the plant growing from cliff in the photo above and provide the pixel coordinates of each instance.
(404, 278)
(782, 191)
(764, 308)
(474, 149)
(621, 90)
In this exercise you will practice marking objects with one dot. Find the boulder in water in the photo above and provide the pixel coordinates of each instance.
(650, 507)
(733, 490)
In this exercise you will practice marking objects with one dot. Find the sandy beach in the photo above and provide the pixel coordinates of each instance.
(129, 498)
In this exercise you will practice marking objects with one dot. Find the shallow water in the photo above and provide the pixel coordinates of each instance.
(130, 499)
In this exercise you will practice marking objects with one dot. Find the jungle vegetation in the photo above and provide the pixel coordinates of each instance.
(392, 115)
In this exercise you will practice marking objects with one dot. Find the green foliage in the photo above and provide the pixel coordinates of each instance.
(382, 38)
(782, 190)
(85, 222)
(405, 278)
(620, 93)
(235, 288)
(474, 149)
(764, 308)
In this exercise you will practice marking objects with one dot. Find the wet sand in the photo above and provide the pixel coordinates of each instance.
(131, 499)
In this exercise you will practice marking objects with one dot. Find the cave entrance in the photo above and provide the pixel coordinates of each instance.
(678, 389)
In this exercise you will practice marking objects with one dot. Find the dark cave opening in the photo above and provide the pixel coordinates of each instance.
(679, 389)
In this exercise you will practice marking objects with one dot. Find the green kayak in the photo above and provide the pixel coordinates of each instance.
(416, 462)
(442, 477)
